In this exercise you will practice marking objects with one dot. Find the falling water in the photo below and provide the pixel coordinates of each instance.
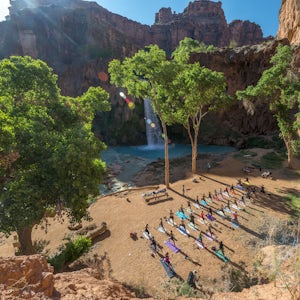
(153, 130)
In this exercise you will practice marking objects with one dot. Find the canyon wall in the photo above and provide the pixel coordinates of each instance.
(289, 19)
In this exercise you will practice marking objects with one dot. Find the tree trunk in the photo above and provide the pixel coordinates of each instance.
(167, 163)
(289, 151)
(26, 247)
(290, 157)
(194, 158)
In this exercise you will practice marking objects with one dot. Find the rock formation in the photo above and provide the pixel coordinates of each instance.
(78, 39)
(25, 277)
(289, 19)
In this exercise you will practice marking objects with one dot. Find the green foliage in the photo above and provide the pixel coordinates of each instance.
(280, 87)
(188, 46)
(294, 203)
(69, 252)
(271, 160)
(50, 156)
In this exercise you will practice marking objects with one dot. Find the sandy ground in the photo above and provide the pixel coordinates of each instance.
(130, 262)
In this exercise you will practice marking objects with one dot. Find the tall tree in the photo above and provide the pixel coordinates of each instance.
(196, 91)
(49, 156)
(280, 87)
(148, 74)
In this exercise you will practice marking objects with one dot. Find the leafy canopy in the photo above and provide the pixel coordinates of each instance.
(49, 156)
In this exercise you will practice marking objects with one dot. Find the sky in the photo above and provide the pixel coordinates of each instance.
(263, 12)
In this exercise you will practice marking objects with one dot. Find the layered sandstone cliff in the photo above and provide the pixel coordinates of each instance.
(289, 19)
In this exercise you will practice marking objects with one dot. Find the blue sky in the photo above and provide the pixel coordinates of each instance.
(263, 12)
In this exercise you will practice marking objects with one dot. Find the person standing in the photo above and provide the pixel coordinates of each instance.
(167, 259)
(183, 190)
(221, 247)
(171, 217)
(192, 219)
(172, 238)
(235, 217)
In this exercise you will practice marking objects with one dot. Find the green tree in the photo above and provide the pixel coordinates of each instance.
(280, 87)
(49, 156)
(148, 74)
(195, 90)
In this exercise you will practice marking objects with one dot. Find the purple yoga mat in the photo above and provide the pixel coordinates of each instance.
(172, 246)
(210, 217)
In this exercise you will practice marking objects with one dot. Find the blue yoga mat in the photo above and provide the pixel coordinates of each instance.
(172, 246)
(169, 269)
(203, 202)
(240, 187)
(181, 215)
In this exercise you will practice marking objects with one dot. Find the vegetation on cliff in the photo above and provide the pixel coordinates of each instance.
(280, 87)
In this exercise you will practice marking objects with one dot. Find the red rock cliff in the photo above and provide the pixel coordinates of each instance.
(289, 19)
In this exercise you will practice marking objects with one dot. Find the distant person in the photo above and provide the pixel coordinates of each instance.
(208, 166)
(172, 238)
(192, 219)
(183, 190)
(147, 229)
(235, 217)
(202, 215)
(167, 259)
(189, 205)
(210, 211)
(181, 209)
(199, 238)
(182, 224)
(221, 247)
(192, 278)
(262, 189)
(153, 245)
(161, 223)
(171, 217)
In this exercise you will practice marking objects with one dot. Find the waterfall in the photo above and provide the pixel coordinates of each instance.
(153, 129)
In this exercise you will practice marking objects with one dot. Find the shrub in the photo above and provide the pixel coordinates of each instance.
(271, 160)
(69, 252)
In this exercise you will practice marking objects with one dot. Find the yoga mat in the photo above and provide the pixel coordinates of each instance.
(240, 187)
(220, 213)
(183, 231)
(181, 215)
(161, 229)
(171, 223)
(201, 221)
(172, 246)
(189, 210)
(210, 217)
(211, 238)
(146, 235)
(222, 256)
(225, 194)
(194, 227)
(234, 224)
(235, 207)
(169, 270)
(203, 202)
(228, 210)
(197, 205)
(199, 244)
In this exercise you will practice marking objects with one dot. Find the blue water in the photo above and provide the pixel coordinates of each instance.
(154, 153)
